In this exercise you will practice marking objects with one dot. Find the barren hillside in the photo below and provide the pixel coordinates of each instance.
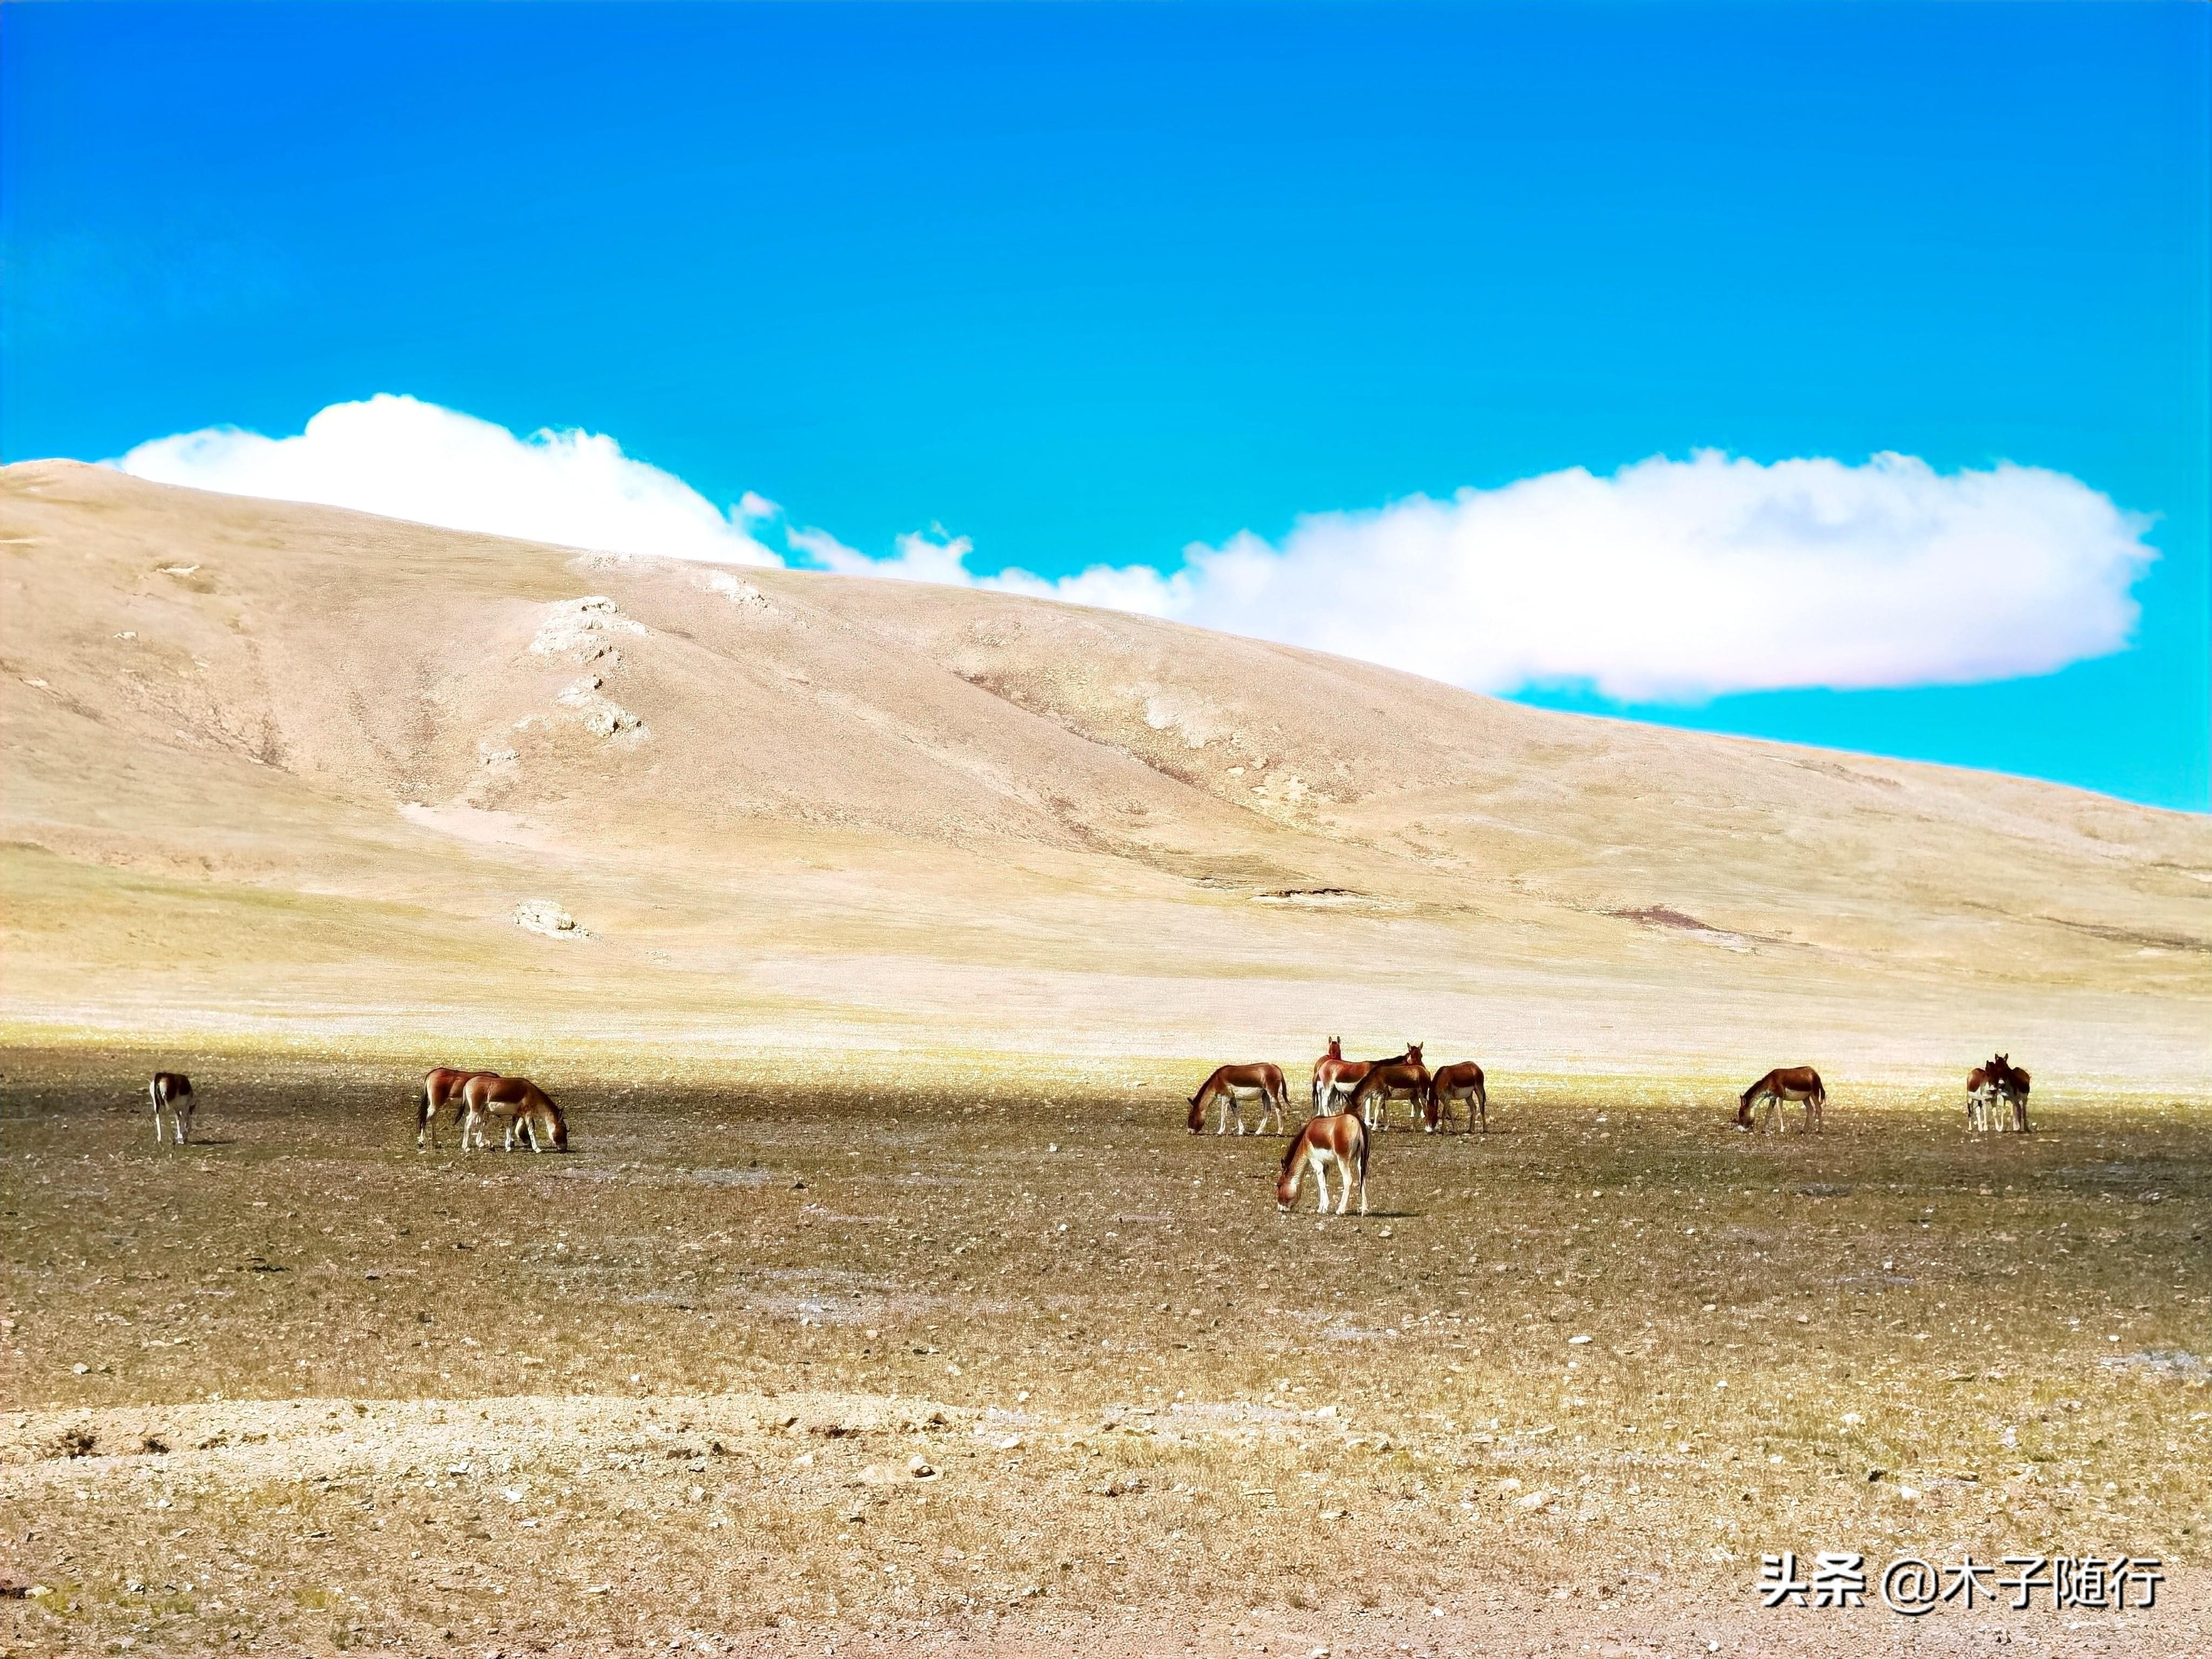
(290, 769)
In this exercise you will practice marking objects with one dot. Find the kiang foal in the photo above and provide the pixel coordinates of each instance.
(524, 1108)
(1232, 1085)
(1783, 1084)
(1339, 1143)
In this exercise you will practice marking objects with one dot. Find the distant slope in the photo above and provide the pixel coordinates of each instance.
(294, 765)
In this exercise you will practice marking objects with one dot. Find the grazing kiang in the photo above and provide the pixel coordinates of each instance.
(1338, 1143)
(1234, 1085)
(172, 1092)
(1461, 1083)
(1783, 1085)
(1404, 1078)
(1335, 1077)
(441, 1087)
(520, 1105)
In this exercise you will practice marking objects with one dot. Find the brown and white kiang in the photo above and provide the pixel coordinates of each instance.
(1783, 1085)
(1234, 1085)
(171, 1091)
(1337, 1144)
(1404, 1079)
(1996, 1096)
(1335, 1077)
(441, 1087)
(1461, 1083)
(523, 1108)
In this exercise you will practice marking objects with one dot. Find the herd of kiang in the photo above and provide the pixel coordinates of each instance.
(1350, 1100)
(478, 1099)
(525, 1112)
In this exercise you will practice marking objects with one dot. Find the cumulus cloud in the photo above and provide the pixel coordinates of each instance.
(1677, 581)
(408, 459)
(1669, 580)
(919, 557)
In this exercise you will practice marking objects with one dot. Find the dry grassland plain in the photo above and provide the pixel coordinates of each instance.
(304, 1387)
(885, 1305)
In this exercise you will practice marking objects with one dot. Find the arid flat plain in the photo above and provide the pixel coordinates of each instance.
(884, 1304)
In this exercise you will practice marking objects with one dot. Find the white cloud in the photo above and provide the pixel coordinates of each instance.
(1674, 580)
(415, 460)
(920, 558)
(1669, 580)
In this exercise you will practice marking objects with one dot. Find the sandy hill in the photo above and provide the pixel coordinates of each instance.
(292, 769)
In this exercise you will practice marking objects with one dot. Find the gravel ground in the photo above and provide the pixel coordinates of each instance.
(899, 1369)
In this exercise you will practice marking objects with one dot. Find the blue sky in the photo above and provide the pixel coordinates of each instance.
(1086, 285)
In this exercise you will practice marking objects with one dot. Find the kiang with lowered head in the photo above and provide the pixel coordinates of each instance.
(1337, 1142)
(481, 1097)
(1781, 1085)
(1462, 1083)
(171, 1091)
(1996, 1096)
(1404, 1079)
(1334, 1077)
(1233, 1085)
(520, 1105)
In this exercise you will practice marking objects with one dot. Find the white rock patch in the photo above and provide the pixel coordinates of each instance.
(600, 715)
(541, 915)
(738, 593)
(582, 626)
